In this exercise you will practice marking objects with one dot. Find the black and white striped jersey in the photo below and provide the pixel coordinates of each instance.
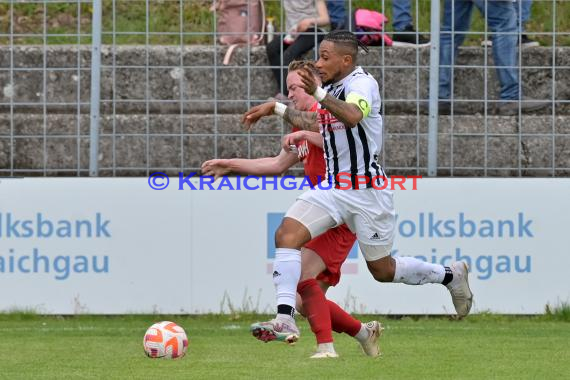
(353, 152)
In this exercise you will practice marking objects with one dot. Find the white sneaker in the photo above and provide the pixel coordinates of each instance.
(324, 355)
(370, 346)
(325, 350)
(282, 328)
(461, 295)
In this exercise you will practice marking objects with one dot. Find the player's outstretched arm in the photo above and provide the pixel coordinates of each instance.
(300, 119)
(216, 168)
(260, 166)
(348, 113)
(314, 138)
(254, 114)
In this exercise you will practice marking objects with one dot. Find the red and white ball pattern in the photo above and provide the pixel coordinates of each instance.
(165, 340)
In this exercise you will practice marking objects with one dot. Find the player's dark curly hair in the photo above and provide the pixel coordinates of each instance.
(346, 39)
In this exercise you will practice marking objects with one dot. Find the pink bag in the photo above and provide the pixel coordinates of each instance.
(369, 27)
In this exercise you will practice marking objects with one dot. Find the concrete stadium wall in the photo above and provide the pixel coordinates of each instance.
(68, 80)
(405, 147)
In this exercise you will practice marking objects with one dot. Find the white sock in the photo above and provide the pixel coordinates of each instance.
(325, 347)
(286, 275)
(285, 318)
(412, 271)
(362, 335)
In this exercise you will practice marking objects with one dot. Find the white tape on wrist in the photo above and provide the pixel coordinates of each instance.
(319, 94)
(279, 109)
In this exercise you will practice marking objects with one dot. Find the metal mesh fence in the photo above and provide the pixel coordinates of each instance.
(167, 102)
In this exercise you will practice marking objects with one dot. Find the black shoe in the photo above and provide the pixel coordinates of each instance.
(409, 37)
(511, 107)
(527, 42)
(444, 108)
(459, 108)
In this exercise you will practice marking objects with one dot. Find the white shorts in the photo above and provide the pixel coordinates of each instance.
(368, 212)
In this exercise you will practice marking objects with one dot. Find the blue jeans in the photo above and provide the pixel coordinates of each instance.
(501, 18)
(401, 10)
(337, 14)
(522, 8)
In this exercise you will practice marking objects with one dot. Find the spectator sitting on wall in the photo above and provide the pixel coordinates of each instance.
(302, 21)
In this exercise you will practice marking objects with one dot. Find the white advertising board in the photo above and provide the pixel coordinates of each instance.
(117, 246)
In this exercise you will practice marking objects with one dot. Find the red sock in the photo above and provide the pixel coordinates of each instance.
(341, 321)
(316, 309)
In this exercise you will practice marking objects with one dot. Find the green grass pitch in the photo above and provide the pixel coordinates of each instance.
(480, 347)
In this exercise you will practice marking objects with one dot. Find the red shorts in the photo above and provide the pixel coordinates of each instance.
(333, 247)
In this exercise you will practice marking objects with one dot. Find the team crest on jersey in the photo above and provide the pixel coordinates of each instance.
(303, 149)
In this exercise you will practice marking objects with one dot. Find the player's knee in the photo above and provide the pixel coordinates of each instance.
(291, 235)
(382, 276)
(305, 275)
(382, 270)
(285, 238)
(309, 273)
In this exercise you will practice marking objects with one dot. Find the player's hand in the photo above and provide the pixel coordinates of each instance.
(298, 141)
(292, 139)
(255, 113)
(216, 168)
(309, 82)
(305, 24)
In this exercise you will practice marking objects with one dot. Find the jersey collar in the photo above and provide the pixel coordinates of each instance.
(356, 69)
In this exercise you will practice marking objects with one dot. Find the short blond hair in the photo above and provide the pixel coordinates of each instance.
(304, 64)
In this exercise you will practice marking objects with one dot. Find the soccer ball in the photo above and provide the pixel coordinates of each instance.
(165, 340)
